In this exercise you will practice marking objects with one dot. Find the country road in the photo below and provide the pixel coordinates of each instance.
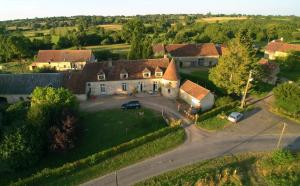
(259, 131)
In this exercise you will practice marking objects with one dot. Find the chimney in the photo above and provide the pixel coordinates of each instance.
(110, 62)
(165, 56)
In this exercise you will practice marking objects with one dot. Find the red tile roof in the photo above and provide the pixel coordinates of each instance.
(282, 47)
(268, 64)
(187, 50)
(171, 73)
(76, 81)
(194, 89)
(64, 55)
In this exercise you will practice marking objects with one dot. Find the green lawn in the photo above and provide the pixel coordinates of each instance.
(214, 123)
(117, 162)
(243, 169)
(261, 90)
(116, 48)
(101, 130)
(15, 67)
(293, 75)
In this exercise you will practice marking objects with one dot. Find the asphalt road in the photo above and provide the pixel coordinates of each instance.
(259, 131)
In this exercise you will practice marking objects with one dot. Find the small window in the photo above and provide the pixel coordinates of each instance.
(158, 74)
(102, 88)
(101, 77)
(124, 86)
(146, 74)
(123, 76)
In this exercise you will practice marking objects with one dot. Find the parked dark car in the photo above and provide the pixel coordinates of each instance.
(131, 105)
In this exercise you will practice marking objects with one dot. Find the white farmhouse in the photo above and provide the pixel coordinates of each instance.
(196, 95)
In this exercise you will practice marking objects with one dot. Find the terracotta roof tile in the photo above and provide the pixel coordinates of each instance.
(64, 55)
(76, 81)
(187, 50)
(282, 47)
(171, 73)
(194, 89)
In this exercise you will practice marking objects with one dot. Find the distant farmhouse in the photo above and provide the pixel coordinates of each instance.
(62, 60)
(189, 55)
(16, 87)
(126, 77)
(278, 48)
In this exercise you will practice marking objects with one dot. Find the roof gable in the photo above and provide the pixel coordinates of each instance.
(194, 89)
(64, 55)
(187, 50)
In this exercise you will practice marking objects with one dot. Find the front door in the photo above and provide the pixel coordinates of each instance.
(155, 86)
(140, 87)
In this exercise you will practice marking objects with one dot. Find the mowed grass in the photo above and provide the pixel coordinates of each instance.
(114, 27)
(242, 169)
(115, 163)
(101, 130)
(214, 123)
(121, 49)
(221, 19)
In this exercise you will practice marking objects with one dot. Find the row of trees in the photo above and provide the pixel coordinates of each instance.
(49, 123)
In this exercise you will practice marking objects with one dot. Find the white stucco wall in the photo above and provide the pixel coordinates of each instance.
(170, 89)
(205, 103)
(194, 61)
(115, 87)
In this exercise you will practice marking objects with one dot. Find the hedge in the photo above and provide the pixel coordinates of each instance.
(97, 157)
(218, 110)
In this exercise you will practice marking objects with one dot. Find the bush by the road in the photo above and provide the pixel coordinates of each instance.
(217, 111)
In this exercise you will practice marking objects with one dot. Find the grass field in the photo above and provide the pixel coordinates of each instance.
(114, 27)
(14, 67)
(276, 168)
(214, 123)
(120, 49)
(220, 19)
(102, 130)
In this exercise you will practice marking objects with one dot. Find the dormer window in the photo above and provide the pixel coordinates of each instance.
(101, 76)
(123, 74)
(146, 73)
(158, 72)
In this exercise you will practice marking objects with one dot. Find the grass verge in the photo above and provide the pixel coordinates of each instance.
(276, 168)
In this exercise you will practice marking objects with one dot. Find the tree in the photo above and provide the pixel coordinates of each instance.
(233, 67)
(287, 97)
(132, 28)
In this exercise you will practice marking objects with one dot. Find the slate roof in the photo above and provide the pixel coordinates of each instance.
(194, 89)
(76, 81)
(25, 83)
(64, 55)
(187, 50)
(282, 47)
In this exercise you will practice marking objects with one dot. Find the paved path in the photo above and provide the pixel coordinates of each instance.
(259, 131)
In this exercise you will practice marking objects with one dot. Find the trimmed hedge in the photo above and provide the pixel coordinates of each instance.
(218, 110)
(97, 157)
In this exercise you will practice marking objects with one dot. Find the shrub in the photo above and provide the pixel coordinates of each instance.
(217, 111)
(225, 100)
(281, 157)
(287, 97)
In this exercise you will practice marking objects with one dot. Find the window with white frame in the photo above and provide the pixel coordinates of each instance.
(158, 74)
(124, 75)
(101, 77)
(147, 74)
(102, 88)
(124, 87)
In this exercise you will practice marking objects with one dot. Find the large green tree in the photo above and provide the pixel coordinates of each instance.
(287, 97)
(232, 70)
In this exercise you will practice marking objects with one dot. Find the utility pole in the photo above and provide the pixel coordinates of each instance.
(246, 90)
(280, 137)
(117, 184)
